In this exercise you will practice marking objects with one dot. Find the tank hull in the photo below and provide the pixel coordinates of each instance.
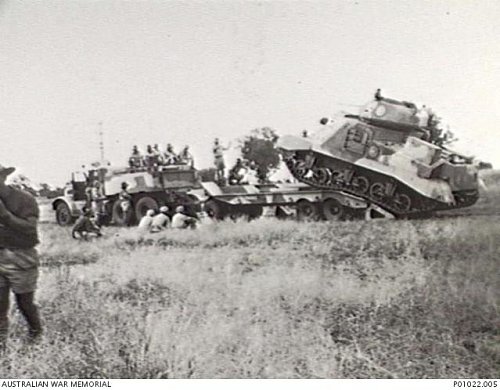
(377, 187)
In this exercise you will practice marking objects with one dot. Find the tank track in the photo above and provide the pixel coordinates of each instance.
(402, 201)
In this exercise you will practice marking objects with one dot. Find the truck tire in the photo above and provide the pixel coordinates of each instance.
(119, 217)
(307, 211)
(63, 214)
(144, 204)
(332, 210)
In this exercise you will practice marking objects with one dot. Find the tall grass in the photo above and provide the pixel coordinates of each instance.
(268, 299)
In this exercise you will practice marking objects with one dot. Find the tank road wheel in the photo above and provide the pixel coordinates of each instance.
(307, 211)
(120, 217)
(143, 205)
(336, 178)
(63, 214)
(402, 202)
(360, 184)
(333, 210)
(322, 175)
(377, 191)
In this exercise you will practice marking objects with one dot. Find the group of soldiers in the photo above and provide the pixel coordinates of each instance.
(154, 157)
(154, 222)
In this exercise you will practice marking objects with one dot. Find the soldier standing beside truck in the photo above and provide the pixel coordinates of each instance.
(18, 257)
(125, 202)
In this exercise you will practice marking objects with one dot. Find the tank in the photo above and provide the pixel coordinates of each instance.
(384, 155)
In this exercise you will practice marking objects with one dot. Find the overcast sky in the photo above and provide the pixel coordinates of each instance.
(186, 72)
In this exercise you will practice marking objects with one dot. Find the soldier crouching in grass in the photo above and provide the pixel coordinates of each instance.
(18, 257)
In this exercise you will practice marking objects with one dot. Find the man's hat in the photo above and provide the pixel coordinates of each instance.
(163, 209)
(6, 170)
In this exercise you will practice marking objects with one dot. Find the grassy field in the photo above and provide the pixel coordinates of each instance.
(268, 299)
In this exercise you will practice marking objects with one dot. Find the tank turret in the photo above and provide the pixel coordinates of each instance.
(383, 154)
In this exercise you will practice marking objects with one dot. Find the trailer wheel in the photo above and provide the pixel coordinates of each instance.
(144, 204)
(333, 210)
(120, 217)
(307, 211)
(247, 212)
(255, 211)
(214, 210)
(63, 214)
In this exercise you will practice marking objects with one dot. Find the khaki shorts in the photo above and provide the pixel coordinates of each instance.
(19, 280)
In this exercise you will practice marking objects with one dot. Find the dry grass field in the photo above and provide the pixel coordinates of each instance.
(269, 299)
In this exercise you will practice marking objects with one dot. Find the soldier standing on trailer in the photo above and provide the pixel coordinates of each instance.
(19, 260)
(218, 151)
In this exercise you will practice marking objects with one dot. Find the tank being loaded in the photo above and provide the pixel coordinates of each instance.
(385, 156)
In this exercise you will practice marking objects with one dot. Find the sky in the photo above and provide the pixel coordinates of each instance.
(186, 72)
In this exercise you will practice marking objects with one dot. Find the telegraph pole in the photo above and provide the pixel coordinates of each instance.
(101, 142)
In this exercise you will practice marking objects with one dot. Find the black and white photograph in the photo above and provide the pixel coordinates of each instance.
(249, 189)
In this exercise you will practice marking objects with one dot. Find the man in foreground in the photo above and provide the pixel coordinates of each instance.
(18, 257)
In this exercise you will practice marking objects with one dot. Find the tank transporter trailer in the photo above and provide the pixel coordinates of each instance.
(283, 200)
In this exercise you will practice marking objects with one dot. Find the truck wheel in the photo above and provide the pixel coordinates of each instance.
(143, 205)
(63, 214)
(307, 211)
(333, 210)
(121, 218)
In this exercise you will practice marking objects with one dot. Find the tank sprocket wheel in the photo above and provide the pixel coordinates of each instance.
(336, 178)
(360, 184)
(377, 191)
(300, 168)
(402, 202)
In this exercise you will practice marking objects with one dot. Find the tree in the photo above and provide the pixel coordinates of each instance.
(259, 149)
(441, 137)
